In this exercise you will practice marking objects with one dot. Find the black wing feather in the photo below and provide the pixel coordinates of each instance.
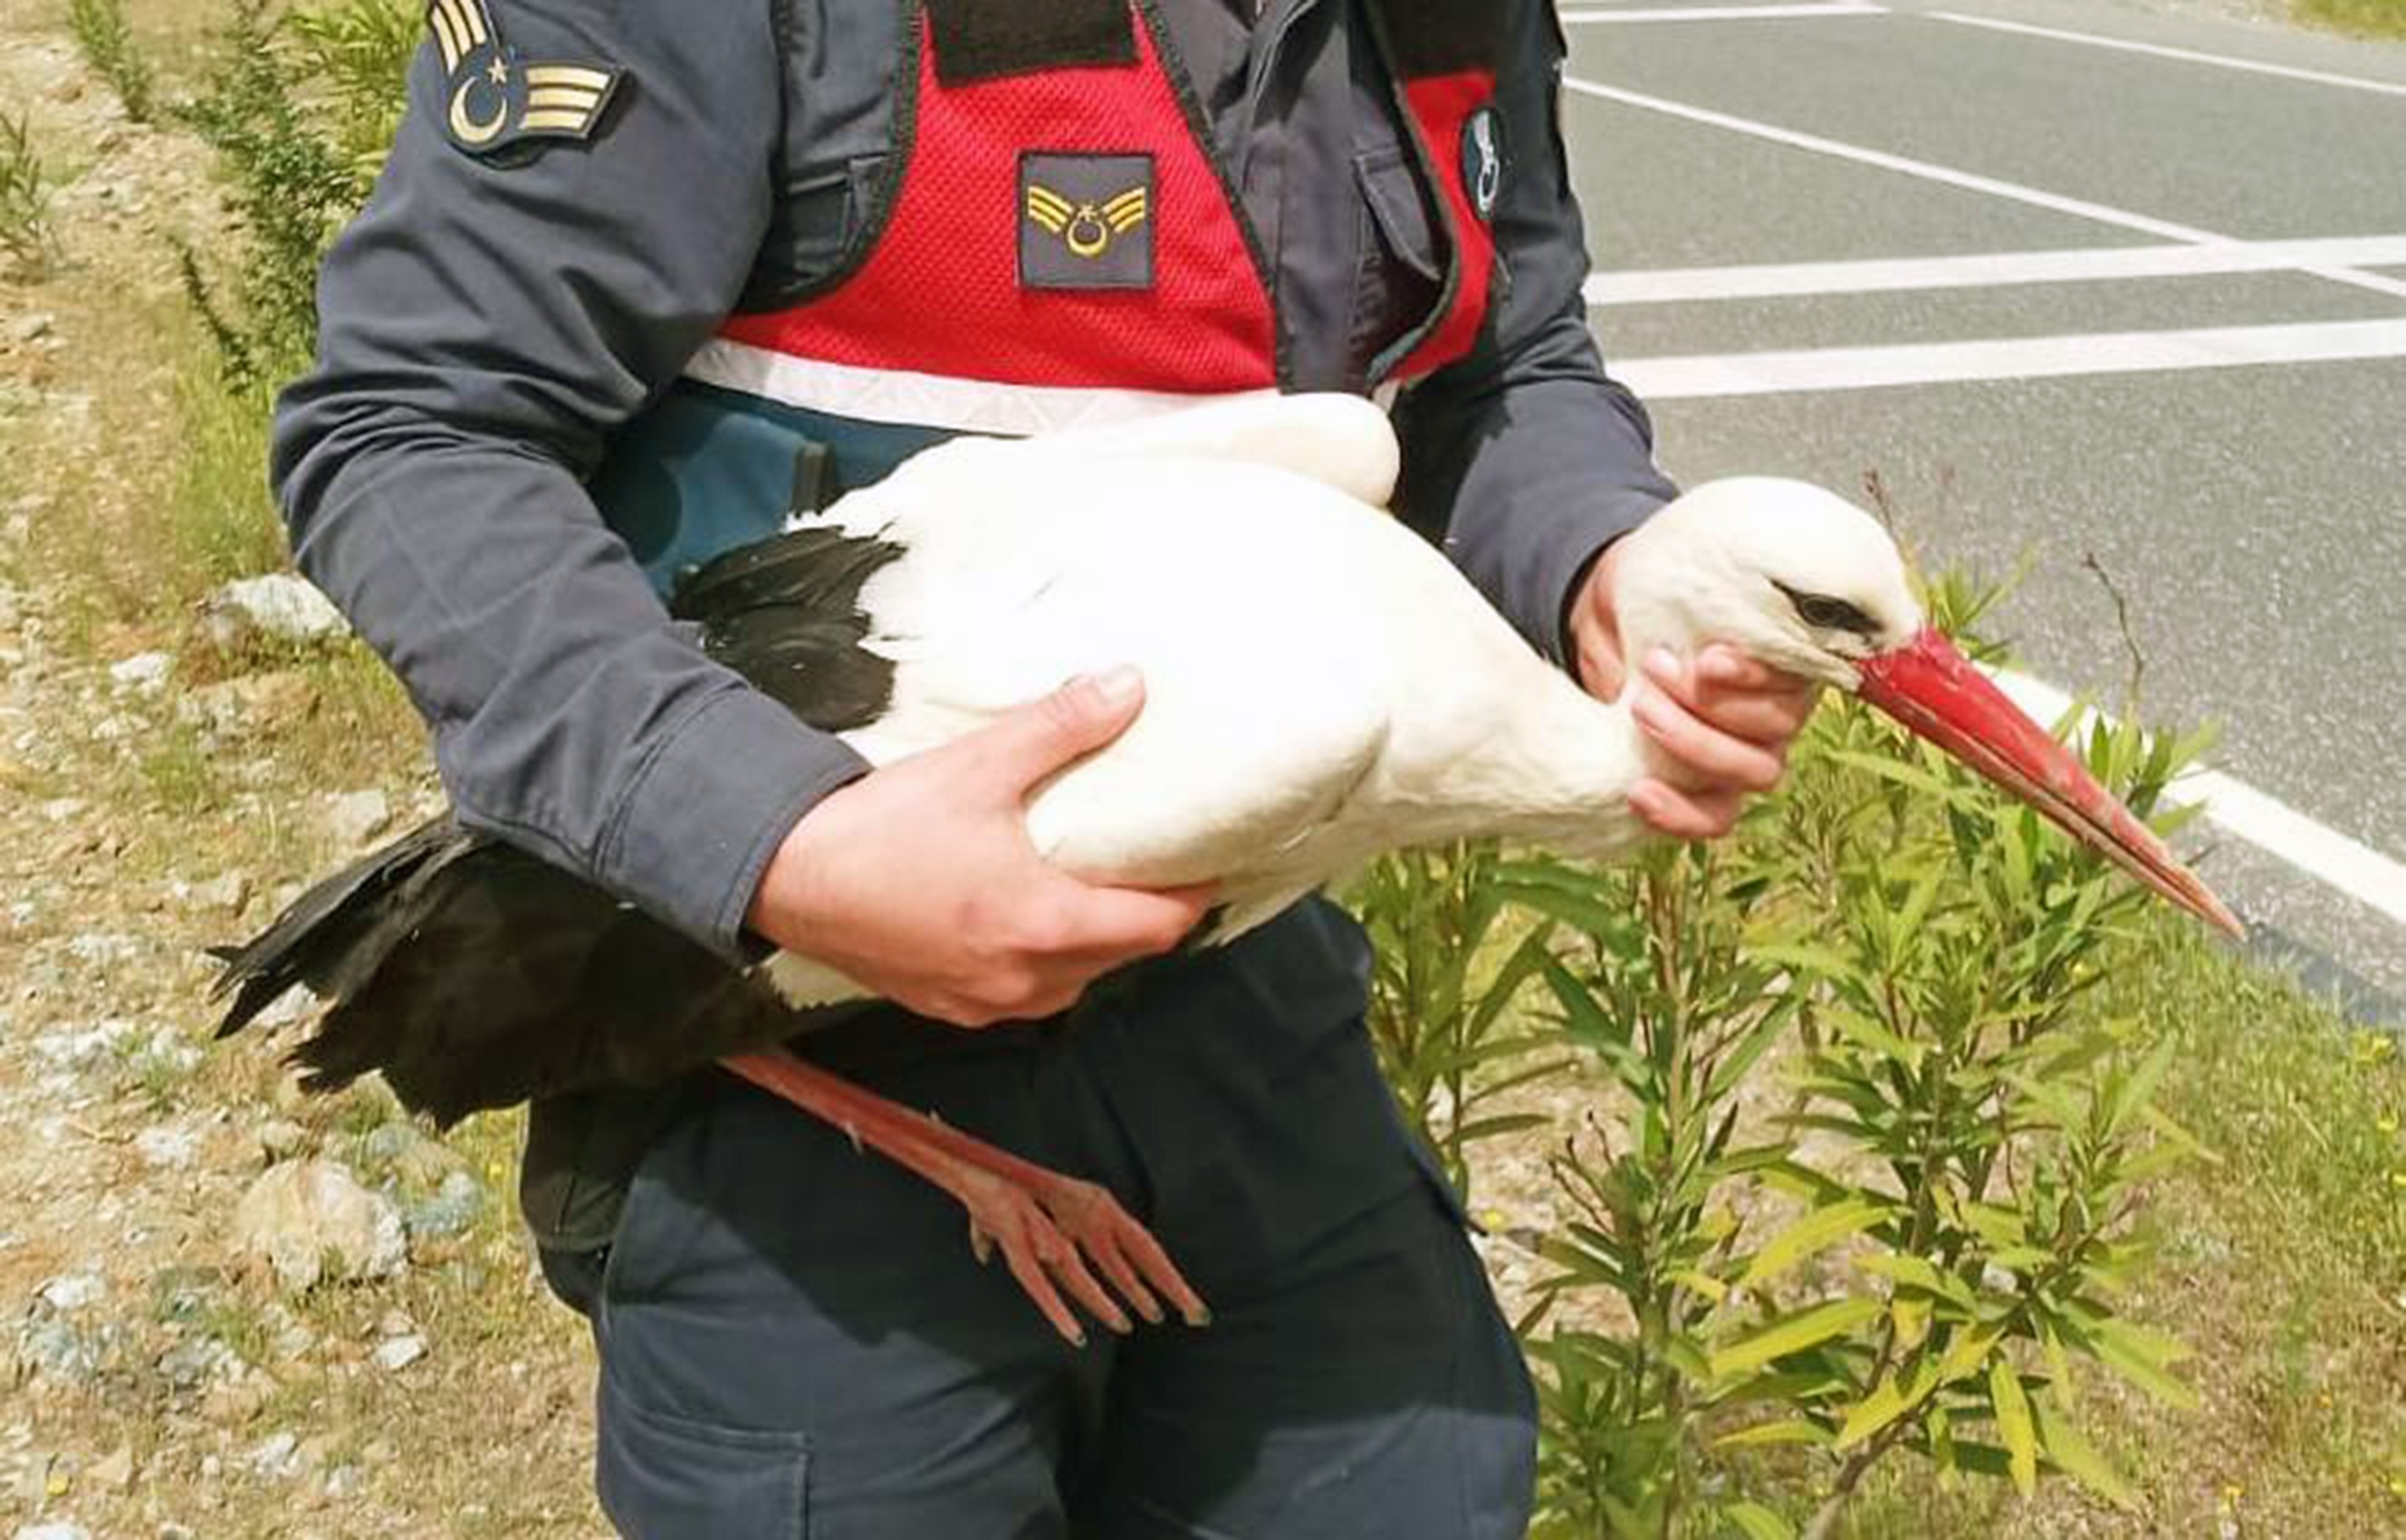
(472, 974)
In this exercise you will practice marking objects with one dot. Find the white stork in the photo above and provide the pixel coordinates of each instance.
(1322, 685)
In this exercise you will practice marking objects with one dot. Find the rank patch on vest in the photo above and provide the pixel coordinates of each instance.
(1086, 222)
(492, 100)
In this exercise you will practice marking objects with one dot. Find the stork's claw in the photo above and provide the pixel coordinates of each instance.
(1053, 1231)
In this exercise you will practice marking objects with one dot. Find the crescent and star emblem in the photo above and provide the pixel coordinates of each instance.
(1086, 227)
(465, 126)
(495, 100)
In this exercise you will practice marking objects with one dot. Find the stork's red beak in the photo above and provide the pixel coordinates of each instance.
(1934, 689)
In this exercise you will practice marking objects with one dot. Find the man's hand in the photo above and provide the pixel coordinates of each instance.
(1722, 719)
(917, 881)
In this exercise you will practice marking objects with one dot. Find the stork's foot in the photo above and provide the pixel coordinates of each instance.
(1055, 1231)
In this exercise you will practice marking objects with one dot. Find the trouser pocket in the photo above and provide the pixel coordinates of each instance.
(667, 1478)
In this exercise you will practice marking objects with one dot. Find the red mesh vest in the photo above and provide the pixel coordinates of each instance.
(1060, 246)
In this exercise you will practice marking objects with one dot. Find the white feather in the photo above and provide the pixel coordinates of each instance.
(1322, 685)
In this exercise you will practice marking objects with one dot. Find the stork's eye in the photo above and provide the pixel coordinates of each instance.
(1824, 613)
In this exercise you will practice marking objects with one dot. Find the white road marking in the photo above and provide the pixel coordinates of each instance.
(2220, 61)
(1950, 176)
(2266, 822)
(1699, 375)
(1988, 268)
(1722, 13)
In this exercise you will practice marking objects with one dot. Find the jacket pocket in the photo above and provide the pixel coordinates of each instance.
(1401, 273)
(667, 1478)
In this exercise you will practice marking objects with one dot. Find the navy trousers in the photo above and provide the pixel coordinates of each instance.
(795, 1340)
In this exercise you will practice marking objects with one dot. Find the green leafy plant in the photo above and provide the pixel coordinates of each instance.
(1863, 1178)
(101, 33)
(26, 234)
(1440, 1000)
(300, 110)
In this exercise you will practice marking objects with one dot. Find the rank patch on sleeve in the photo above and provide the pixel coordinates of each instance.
(1086, 222)
(493, 100)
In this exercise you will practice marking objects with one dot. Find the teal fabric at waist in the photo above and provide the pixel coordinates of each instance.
(703, 471)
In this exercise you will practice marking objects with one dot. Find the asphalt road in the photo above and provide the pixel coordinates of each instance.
(2067, 298)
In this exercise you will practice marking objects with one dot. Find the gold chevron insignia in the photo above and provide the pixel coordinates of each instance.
(495, 100)
(1085, 228)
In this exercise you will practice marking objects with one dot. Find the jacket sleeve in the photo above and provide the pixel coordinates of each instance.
(1525, 457)
(486, 324)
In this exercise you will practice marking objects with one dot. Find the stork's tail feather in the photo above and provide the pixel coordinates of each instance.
(472, 975)
(339, 930)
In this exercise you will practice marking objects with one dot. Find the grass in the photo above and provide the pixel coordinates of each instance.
(2364, 17)
(106, 40)
(26, 239)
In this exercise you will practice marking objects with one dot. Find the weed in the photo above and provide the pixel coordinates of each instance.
(26, 238)
(101, 31)
(298, 110)
(1439, 1014)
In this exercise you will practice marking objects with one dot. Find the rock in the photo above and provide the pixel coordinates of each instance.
(166, 1056)
(247, 702)
(180, 1293)
(115, 1471)
(167, 1148)
(281, 1138)
(352, 818)
(221, 895)
(145, 672)
(277, 607)
(290, 1008)
(455, 1205)
(80, 1050)
(55, 1532)
(302, 1213)
(56, 1351)
(32, 328)
(71, 1291)
(413, 1159)
(101, 948)
(396, 1353)
(195, 1361)
(58, 809)
(278, 1456)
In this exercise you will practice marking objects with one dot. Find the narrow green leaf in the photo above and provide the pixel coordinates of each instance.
(1889, 1401)
(1817, 1231)
(2142, 1358)
(1772, 1432)
(2076, 1457)
(1749, 1050)
(1860, 1029)
(1969, 1351)
(2137, 1093)
(2014, 1425)
(1757, 1522)
(1793, 1335)
(2058, 1365)
(1915, 1273)
(1703, 1283)
(1812, 960)
(1507, 1123)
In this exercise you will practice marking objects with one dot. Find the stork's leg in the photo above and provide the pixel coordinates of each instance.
(1047, 1225)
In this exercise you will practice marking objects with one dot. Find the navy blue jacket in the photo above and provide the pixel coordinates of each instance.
(488, 324)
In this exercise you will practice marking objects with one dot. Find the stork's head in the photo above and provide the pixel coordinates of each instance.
(1798, 577)
(1811, 584)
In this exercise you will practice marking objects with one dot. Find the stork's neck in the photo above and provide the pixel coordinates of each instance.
(1554, 768)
